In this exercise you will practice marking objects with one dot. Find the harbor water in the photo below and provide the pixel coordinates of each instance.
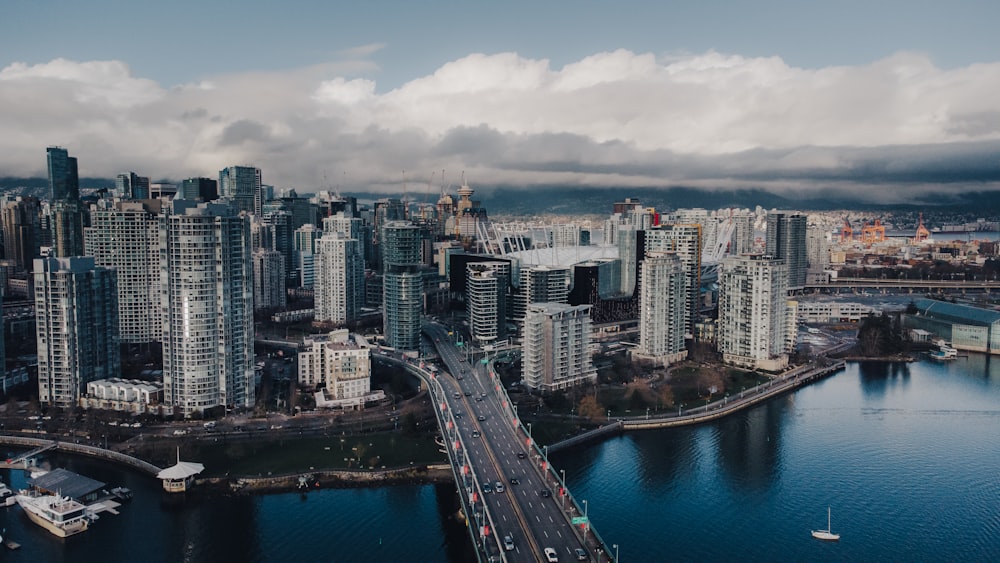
(905, 456)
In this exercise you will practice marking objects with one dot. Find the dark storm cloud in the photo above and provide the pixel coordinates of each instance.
(243, 131)
(897, 128)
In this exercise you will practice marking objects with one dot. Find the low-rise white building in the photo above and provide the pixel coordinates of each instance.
(340, 362)
(126, 395)
(832, 312)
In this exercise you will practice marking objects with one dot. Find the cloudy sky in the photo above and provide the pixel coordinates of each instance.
(889, 98)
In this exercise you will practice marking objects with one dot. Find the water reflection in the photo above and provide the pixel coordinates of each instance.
(876, 376)
(663, 457)
(749, 445)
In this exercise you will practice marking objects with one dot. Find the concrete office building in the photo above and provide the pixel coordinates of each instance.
(64, 199)
(662, 309)
(753, 329)
(540, 284)
(125, 235)
(556, 353)
(304, 247)
(268, 279)
(403, 285)
(340, 278)
(683, 240)
(786, 240)
(742, 241)
(486, 301)
(198, 189)
(207, 299)
(76, 327)
(243, 186)
(132, 186)
(21, 231)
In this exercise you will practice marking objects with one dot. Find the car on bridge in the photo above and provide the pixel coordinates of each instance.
(498, 487)
(581, 555)
(550, 555)
(487, 488)
(481, 418)
(508, 542)
(545, 493)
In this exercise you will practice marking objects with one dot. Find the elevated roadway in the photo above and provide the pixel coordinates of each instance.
(508, 488)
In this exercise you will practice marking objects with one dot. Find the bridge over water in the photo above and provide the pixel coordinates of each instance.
(487, 446)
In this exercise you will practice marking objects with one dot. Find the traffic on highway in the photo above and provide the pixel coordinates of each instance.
(520, 507)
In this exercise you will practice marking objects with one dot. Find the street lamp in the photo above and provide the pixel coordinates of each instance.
(563, 487)
(586, 522)
(647, 413)
(679, 407)
(614, 545)
(529, 430)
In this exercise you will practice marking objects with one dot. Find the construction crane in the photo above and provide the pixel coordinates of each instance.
(846, 232)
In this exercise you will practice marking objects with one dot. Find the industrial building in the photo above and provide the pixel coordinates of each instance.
(965, 327)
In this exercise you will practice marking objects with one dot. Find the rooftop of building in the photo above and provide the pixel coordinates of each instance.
(563, 255)
(954, 312)
(66, 483)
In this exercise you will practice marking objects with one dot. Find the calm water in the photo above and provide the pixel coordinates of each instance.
(907, 456)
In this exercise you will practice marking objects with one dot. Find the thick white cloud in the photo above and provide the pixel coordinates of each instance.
(614, 118)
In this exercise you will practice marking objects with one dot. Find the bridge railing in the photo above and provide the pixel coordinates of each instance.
(83, 449)
(547, 469)
(462, 469)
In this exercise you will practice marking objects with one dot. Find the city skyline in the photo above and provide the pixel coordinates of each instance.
(783, 97)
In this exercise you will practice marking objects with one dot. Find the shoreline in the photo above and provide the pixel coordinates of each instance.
(441, 473)
(326, 479)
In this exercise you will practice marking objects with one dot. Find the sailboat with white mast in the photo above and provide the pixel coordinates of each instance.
(827, 534)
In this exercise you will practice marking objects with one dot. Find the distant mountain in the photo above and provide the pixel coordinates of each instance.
(567, 200)
(39, 187)
(581, 201)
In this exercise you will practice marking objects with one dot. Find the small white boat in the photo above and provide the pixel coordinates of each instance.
(944, 353)
(61, 516)
(122, 493)
(827, 534)
(6, 495)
